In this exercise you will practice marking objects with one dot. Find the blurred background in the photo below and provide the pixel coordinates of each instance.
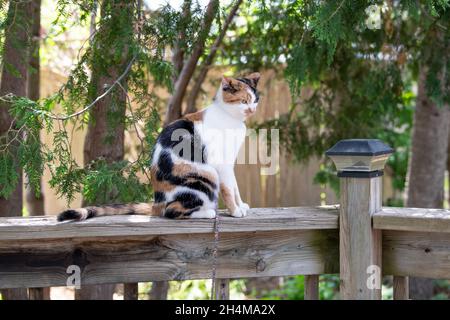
(87, 85)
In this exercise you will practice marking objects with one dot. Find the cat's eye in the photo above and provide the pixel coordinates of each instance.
(243, 102)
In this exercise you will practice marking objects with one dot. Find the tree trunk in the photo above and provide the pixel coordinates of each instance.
(105, 135)
(192, 98)
(35, 204)
(15, 55)
(427, 165)
(174, 106)
(179, 46)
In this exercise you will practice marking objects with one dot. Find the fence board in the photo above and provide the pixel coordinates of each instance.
(416, 254)
(30, 263)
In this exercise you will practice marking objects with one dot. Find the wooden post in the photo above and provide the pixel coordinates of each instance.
(312, 287)
(222, 289)
(360, 165)
(39, 293)
(130, 291)
(401, 288)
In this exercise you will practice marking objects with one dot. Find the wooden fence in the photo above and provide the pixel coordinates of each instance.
(358, 239)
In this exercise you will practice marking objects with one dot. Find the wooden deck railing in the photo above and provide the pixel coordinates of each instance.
(36, 252)
(358, 239)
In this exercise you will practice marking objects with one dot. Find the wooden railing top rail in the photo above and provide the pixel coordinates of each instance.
(261, 219)
(412, 219)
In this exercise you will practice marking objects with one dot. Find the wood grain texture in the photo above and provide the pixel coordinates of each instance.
(401, 288)
(312, 287)
(416, 254)
(263, 219)
(412, 219)
(360, 245)
(30, 263)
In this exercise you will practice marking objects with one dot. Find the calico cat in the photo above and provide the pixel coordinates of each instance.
(193, 160)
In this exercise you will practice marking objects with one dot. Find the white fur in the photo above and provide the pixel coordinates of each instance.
(204, 214)
(223, 131)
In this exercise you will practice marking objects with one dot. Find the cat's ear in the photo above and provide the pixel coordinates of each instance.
(254, 78)
(227, 83)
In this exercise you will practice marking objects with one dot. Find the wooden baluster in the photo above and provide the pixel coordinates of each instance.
(39, 293)
(312, 287)
(130, 291)
(401, 288)
(222, 289)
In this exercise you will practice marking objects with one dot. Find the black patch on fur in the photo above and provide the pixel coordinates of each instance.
(92, 212)
(200, 186)
(189, 138)
(172, 214)
(69, 215)
(202, 179)
(165, 137)
(252, 86)
(229, 88)
(188, 200)
(159, 197)
(165, 164)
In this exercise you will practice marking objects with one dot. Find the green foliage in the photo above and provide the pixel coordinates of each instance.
(115, 43)
(349, 78)
(126, 38)
(293, 288)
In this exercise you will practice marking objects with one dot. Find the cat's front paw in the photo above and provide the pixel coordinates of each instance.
(239, 212)
(244, 206)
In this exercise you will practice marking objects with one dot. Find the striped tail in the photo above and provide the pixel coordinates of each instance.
(106, 210)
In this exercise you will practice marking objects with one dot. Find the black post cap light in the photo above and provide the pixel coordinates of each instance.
(359, 158)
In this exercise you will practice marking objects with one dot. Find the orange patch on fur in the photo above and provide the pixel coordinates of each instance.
(159, 186)
(178, 207)
(158, 208)
(227, 197)
(182, 169)
(235, 91)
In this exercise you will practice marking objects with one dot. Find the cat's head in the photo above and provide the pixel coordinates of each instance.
(239, 96)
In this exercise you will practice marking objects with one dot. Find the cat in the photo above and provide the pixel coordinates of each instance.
(193, 160)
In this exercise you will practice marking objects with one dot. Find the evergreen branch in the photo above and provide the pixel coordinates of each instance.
(16, 136)
(433, 19)
(141, 140)
(333, 14)
(89, 106)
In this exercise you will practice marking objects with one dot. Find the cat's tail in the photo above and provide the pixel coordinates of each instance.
(106, 210)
